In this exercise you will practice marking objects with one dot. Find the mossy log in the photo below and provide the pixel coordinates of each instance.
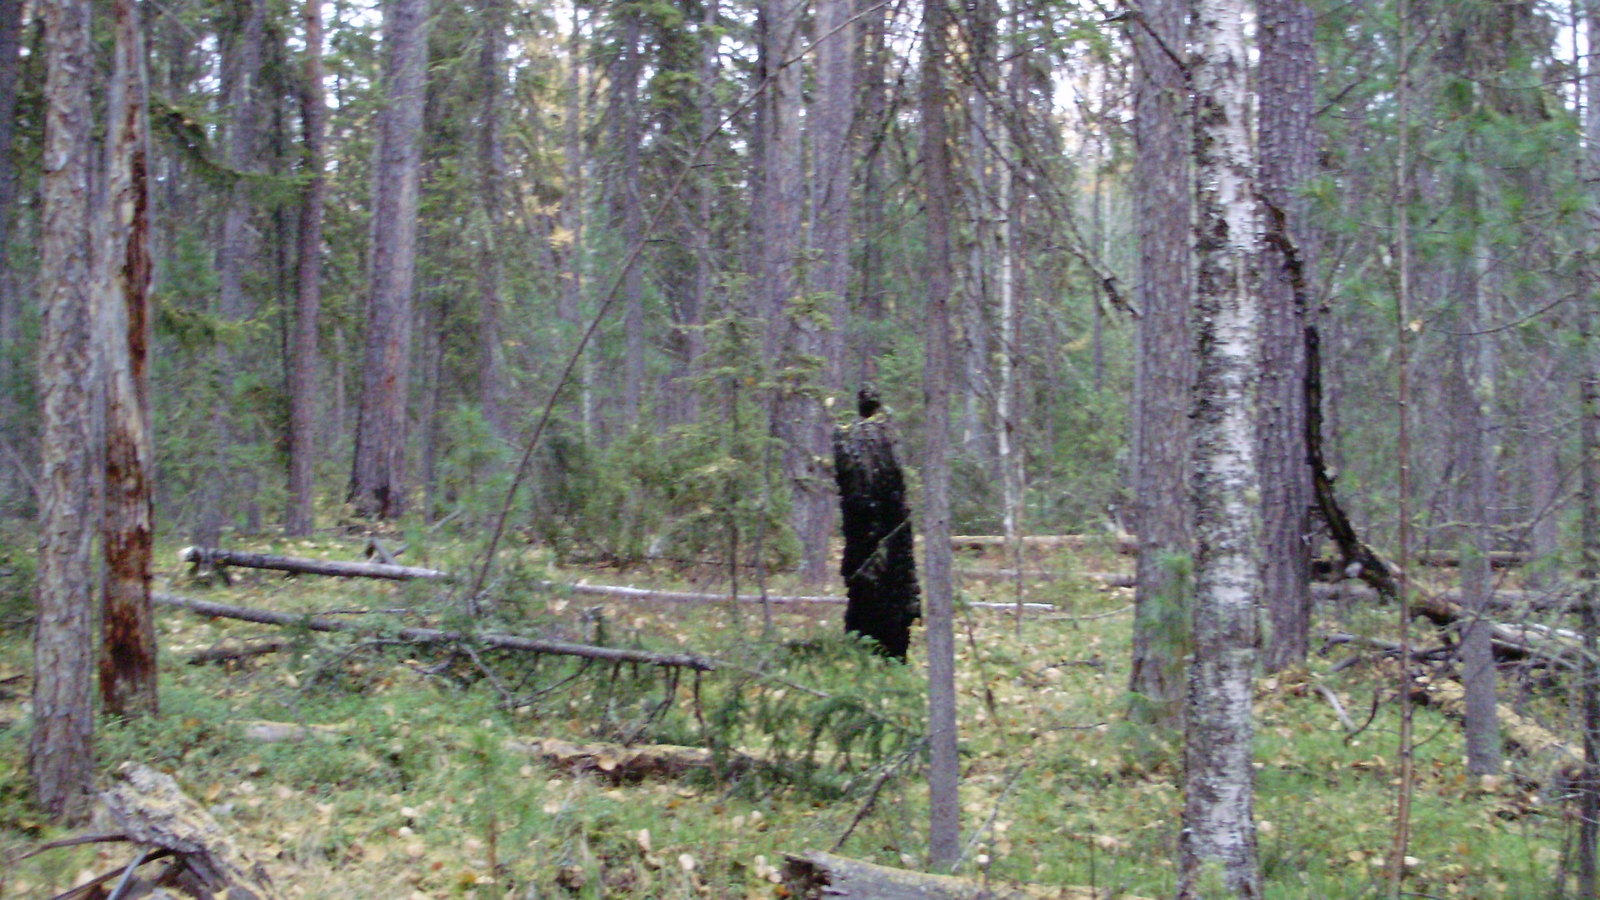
(878, 566)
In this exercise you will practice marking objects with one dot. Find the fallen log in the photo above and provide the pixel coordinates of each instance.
(1560, 599)
(636, 593)
(219, 558)
(1125, 544)
(1532, 739)
(815, 875)
(234, 652)
(630, 763)
(437, 636)
(154, 811)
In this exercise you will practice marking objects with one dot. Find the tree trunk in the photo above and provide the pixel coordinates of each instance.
(570, 308)
(944, 769)
(1589, 507)
(876, 124)
(1165, 373)
(128, 636)
(303, 355)
(60, 750)
(1288, 100)
(1217, 846)
(831, 116)
(795, 340)
(378, 476)
(491, 173)
(1476, 357)
(628, 133)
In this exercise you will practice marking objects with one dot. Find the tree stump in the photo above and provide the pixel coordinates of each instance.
(880, 573)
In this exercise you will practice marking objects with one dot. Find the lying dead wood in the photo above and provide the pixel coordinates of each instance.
(815, 875)
(1125, 544)
(980, 574)
(217, 557)
(223, 653)
(437, 636)
(1532, 739)
(1558, 599)
(632, 763)
(290, 732)
(153, 811)
(1499, 559)
(623, 592)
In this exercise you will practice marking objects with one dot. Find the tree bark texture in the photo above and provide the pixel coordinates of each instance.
(128, 636)
(794, 336)
(1165, 373)
(1288, 100)
(303, 355)
(944, 768)
(1217, 846)
(878, 567)
(1589, 505)
(491, 175)
(378, 476)
(60, 747)
(831, 115)
(1476, 357)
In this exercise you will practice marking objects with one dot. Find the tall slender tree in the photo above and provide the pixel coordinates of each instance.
(378, 475)
(60, 749)
(491, 175)
(303, 355)
(1217, 846)
(944, 807)
(1165, 374)
(1288, 101)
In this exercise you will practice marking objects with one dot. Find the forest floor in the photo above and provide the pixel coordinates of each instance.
(425, 782)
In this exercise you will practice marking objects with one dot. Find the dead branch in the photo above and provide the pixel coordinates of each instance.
(219, 558)
(438, 636)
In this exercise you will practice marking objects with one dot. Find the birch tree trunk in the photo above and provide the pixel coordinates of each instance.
(60, 753)
(1217, 850)
(1288, 100)
(378, 474)
(128, 635)
(303, 355)
(944, 770)
(1165, 374)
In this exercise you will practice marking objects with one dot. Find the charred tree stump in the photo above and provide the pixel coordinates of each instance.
(879, 570)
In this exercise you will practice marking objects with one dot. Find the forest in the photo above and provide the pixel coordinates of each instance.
(834, 448)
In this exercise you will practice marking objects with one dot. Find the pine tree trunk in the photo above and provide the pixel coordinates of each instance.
(944, 771)
(304, 359)
(832, 114)
(1217, 846)
(1288, 100)
(1589, 508)
(795, 341)
(864, 337)
(628, 129)
(491, 173)
(128, 635)
(570, 305)
(378, 476)
(60, 746)
(1165, 373)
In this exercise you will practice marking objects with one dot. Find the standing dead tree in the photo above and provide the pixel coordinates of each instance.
(879, 570)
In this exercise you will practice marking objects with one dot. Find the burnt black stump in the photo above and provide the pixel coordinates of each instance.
(880, 572)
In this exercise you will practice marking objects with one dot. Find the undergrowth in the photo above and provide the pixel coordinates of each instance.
(414, 783)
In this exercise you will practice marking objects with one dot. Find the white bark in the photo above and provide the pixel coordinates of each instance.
(1218, 842)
